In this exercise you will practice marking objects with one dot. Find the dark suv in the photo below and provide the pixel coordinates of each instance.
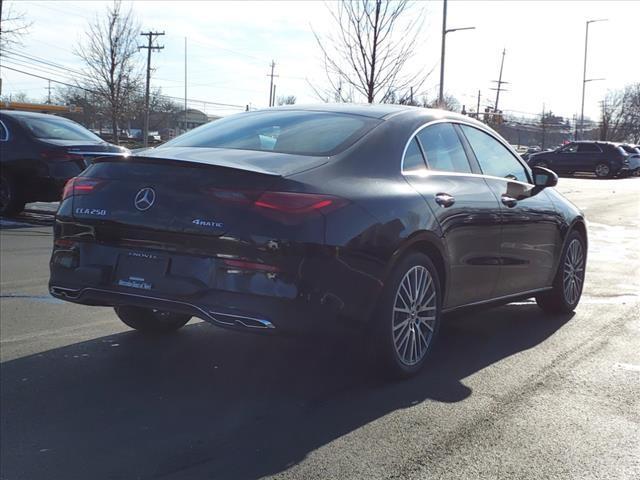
(605, 159)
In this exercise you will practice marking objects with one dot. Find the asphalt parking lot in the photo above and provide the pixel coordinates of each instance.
(509, 393)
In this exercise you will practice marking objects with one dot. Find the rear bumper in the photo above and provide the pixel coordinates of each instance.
(89, 273)
(230, 318)
(233, 311)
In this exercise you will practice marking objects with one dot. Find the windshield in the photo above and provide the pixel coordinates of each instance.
(297, 132)
(58, 129)
(630, 149)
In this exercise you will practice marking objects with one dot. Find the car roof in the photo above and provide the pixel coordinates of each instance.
(598, 142)
(373, 110)
(19, 114)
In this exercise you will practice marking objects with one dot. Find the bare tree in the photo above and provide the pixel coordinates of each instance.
(373, 43)
(449, 102)
(20, 97)
(109, 55)
(621, 115)
(287, 100)
(13, 25)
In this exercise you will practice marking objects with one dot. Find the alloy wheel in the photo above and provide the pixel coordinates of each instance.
(414, 315)
(602, 170)
(573, 272)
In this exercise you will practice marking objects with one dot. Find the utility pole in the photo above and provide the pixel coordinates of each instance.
(584, 72)
(274, 95)
(185, 84)
(150, 47)
(478, 108)
(543, 126)
(411, 96)
(499, 82)
(272, 99)
(49, 94)
(444, 38)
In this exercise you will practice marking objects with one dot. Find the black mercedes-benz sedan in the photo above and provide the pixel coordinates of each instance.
(375, 218)
(39, 153)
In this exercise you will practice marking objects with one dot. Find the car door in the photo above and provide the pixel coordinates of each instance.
(564, 159)
(589, 155)
(531, 238)
(466, 209)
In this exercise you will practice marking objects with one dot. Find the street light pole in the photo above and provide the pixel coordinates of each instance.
(444, 39)
(584, 72)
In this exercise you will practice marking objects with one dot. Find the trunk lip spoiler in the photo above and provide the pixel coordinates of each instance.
(184, 159)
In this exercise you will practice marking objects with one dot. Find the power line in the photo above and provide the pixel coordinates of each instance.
(171, 97)
(46, 78)
(41, 60)
(49, 71)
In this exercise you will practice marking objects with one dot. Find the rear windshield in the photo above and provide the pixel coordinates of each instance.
(296, 132)
(58, 129)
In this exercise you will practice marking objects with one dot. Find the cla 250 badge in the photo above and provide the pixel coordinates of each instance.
(208, 223)
(98, 212)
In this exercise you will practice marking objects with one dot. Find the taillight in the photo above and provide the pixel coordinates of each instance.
(291, 203)
(80, 186)
(297, 203)
(60, 155)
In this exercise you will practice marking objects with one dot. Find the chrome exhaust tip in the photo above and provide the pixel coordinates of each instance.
(242, 321)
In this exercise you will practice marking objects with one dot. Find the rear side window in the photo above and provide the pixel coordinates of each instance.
(443, 150)
(413, 159)
(588, 148)
(571, 148)
(493, 157)
(297, 132)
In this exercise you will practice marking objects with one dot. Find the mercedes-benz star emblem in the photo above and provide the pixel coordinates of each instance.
(145, 198)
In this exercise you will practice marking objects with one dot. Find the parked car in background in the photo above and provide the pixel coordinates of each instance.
(634, 158)
(529, 151)
(371, 218)
(605, 159)
(137, 134)
(39, 153)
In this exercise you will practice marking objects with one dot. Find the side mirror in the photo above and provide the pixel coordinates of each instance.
(543, 177)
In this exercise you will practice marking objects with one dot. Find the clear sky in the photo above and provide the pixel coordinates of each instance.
(230, 46)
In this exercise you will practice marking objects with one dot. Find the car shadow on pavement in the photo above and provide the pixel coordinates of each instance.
(207, 403)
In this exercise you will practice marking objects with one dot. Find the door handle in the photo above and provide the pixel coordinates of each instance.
(445, 200)
(509, 201)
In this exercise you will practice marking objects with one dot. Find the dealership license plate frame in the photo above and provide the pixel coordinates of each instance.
(140, 272)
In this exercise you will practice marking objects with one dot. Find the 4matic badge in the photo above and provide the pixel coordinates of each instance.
(207, 223)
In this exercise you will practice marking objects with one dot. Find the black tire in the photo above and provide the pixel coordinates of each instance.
(559, 299)
(151, 320)
(603, 170)
(11, 201)
(418, 332)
